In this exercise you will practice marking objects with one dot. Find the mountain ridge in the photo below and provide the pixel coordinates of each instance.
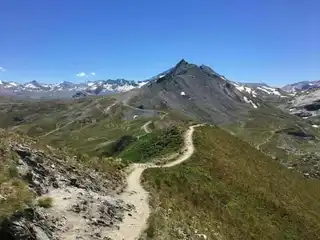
(67, 89)
(301, 86)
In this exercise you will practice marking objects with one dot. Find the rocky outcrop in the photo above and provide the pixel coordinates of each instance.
(43, 173)
(306, 104)
(84, 205)
(27, 225)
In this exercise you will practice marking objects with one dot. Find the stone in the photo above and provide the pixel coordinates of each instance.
(97, 235)
(73, 182)
(76, 208)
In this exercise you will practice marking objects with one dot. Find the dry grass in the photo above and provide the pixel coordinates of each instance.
(229, 190)
(45, 202)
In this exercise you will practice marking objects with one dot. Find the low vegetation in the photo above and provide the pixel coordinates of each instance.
(289, 139)
(14, 193)
(45, 202)
(230, 190)
(153, 145)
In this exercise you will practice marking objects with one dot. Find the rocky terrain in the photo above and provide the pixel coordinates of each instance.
(308, 101)
(307, 106)
(196, 91)
(81, 202)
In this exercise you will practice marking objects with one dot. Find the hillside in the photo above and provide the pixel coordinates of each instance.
(306, 105)
(105, 143)
(45, 193)
(290, 140)
(94, 125)
(84, 125)
(229, 190)
(196, 91)
(74, 191)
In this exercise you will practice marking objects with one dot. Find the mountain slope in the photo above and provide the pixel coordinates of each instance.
(301, 86)
(230, 190)
(306, 105)
(47, 193)
(290, 140)
(308, 101)
(197, 92)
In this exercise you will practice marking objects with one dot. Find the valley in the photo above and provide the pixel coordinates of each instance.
(188, 154)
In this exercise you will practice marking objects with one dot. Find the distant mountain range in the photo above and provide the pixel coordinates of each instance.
(301, 86)
(35, 89)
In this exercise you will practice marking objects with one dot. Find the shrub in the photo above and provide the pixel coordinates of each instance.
(45, 202)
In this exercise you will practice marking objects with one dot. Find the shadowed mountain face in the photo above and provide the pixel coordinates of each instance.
(196, 91)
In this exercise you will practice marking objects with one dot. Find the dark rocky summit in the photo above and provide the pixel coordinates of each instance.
(196, 91)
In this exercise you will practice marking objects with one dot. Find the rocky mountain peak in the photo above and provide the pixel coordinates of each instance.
(182, 62)
(181, 67)
(35, 82)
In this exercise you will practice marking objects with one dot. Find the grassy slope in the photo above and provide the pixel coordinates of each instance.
(152, 145)
(264, 122)
(232, 190)
(82, 125)
(14, 193)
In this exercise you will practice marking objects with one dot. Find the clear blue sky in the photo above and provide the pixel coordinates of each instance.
(274, 41)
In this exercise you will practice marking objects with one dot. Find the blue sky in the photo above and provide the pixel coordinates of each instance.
(274, 41)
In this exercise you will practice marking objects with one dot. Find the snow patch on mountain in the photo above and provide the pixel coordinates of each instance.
(250, 101)
(261, 90)
(30, 85)
(269, 90)
(118, 85)
(243, 88)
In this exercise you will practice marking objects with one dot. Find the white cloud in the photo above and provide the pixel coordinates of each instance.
(93, 73)
(81, 74)
(2, 69)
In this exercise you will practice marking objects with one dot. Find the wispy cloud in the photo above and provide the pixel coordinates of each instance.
(2, 69)
(81, 74)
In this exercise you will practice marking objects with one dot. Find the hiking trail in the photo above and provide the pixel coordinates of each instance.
(136, 222)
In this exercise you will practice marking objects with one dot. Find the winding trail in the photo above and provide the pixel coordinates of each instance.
(146, 128)
(268, 139)
(105, 111)
(56, 129)
(134, 224)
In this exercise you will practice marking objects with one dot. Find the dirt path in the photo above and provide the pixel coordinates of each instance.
(136, 222)
(146, 128)
(107, 109)
(268, 139)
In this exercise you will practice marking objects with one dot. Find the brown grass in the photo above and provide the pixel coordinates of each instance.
(229, 190)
